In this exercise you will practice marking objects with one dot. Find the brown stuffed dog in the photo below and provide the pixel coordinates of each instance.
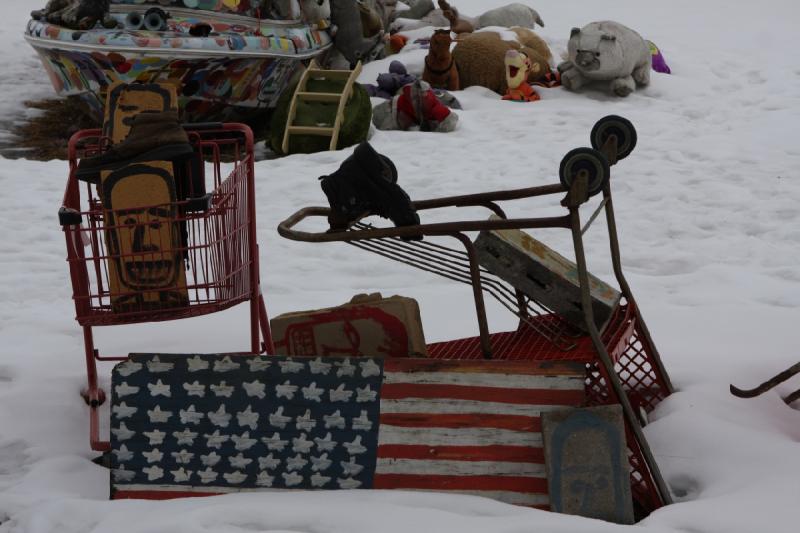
(440, 69)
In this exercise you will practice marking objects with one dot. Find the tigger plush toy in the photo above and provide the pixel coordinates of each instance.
(518, 67)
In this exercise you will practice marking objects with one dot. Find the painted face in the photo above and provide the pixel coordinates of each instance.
(127, 101)
(143, 239)
(588, 474)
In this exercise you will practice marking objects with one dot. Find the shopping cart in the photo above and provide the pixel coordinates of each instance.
(622, 363)
(189, 257)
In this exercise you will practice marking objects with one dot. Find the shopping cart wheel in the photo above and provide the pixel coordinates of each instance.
(584, 160)
(619, 127)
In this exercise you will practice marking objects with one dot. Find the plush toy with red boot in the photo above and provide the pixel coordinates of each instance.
(416, 107)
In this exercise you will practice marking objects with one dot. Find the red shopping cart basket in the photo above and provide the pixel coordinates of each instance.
(190, 254)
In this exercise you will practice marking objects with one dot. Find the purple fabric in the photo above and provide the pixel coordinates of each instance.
(391, 82)
(659, 64)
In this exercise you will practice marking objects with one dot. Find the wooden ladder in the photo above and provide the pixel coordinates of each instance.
(314, 72)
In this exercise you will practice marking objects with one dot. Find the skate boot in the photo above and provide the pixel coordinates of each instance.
(366, 183)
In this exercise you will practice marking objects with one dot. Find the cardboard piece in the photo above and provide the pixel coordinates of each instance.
(586, 458)
(544, 275)
(369, 325)
(143, 238)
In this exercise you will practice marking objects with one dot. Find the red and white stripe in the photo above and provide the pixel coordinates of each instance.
(470, 427)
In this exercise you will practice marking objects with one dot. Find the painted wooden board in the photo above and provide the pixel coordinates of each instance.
(544, 275)
(212, 424)
(143, 238)
(587, 463)
(124, 101)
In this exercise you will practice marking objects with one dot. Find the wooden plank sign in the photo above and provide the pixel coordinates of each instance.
(143, 238)
(587, 463)
(544, 275)
(124, 101)
(212, 424)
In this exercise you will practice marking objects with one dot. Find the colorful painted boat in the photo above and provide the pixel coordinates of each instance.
(242, 65)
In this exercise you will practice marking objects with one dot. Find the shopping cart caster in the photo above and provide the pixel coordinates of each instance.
(104, 460)
(616, 126)
(589, 162)
(93, 400)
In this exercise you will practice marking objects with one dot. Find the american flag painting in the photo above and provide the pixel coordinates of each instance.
(210, 424)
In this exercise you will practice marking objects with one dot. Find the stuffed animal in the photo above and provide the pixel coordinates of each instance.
(505, 16)
(396, 43)
(348, 34)
(316, 12)
(422, 14)
(440, 69)
(510, 15)
(416, 107)
(606, 51)
(416, 10)
(371, 22)
(383, 11)
(391, 82)
(458, 25)
(658, 61)
(518, 67)
(76, 14)
(480, 58)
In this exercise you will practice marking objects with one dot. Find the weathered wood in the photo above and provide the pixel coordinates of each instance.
(314, 72)
(211, 424)
(319, 97)
(461, 468)
(517, 368)
(545, 276)
(310, 130)
(480, 378)
(426, 436)
(587, 463)
(448, 406)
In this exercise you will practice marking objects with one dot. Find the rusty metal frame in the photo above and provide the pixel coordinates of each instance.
(770, 384)
(361, 233)
(576, 196)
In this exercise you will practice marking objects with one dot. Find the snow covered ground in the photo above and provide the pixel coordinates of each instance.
(708, 208)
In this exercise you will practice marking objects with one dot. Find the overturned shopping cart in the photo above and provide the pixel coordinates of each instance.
(622, 364)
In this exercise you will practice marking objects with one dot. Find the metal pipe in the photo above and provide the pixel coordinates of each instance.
(605, 359)
(477, 291)
(444, 228)
(616, 261)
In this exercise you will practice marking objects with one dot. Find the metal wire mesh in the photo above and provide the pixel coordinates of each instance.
(201, 245)
(454, 264)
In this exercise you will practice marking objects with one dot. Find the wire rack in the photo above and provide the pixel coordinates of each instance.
(454, 264)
